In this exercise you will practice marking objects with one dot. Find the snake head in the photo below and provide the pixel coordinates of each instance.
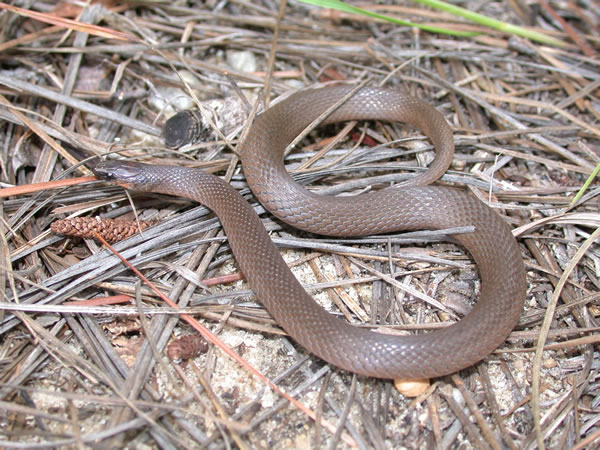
(124, 173)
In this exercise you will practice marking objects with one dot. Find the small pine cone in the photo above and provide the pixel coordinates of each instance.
(86, 227)
(186, 347)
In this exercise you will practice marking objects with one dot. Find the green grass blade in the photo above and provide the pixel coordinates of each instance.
(447, 7)
(585, 185)
(341, 6)
(492, 23)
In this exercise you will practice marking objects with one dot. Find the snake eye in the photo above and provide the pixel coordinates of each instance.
(102, 171)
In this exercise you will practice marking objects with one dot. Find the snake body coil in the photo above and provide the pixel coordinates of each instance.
(359, 350)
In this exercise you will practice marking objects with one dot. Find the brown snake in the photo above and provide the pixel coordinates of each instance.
(359, 350)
